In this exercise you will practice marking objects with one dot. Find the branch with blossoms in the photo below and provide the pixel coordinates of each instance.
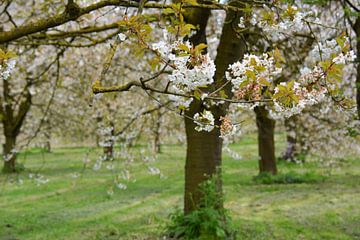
(251, 80)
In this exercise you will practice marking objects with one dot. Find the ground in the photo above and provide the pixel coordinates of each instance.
(70, 207)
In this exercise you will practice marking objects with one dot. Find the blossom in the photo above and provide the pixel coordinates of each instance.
(251, 74)
(9, 66)
(343, 58)
(226, 127)
(191, 78)
(191, 68)
(280, 19)
(205, 121)
(122, 37)
(241, 23)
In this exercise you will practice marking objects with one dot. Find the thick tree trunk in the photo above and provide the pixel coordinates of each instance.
(266, 126)
(203, 156)
(12, 121)
(203, 159)
(9, 155)
(357, 31)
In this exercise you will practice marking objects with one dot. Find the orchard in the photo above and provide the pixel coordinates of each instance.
(182, 119)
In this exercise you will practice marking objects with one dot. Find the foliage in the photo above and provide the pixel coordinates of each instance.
(287, 178)
(207, 221)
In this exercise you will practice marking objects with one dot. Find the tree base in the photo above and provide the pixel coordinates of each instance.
(8, 169)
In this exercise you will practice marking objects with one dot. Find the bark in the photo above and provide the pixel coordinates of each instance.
(48, 143)
(290, 152)
(203, 156)
(109, 149)
(12, 122)
(266, 126)
(201, 161)
(109, 152)
(47, 134)
(357, 31)
(10, 157)
(157, 143)
(97, 137)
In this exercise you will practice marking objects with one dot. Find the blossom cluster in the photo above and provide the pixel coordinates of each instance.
(301, 98)
(251, 75)
(279, 19)
(191, 69)
(205, 121)
(226, 127)
(6, 68)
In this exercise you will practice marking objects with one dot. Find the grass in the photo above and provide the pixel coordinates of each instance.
(288, 178)
(80, 208)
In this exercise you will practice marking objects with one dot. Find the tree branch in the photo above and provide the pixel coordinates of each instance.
(72, 12)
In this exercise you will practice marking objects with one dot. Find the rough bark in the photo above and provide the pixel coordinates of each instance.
(203, 156)
(201, 161)
(357, 31)
(266, 126)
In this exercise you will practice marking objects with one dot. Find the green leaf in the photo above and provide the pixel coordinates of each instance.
(191, 2)
(184, 47)
(168, 11)
(197, 94)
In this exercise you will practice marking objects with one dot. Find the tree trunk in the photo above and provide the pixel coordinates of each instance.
(48, 146)
(203, 155)
(266, 126)
(157, 143)
(290, 152)
(12, 121)
(203, 160)
(109, 149)
(47, 134)
(109, 152)
(9, 155)
(357, 31)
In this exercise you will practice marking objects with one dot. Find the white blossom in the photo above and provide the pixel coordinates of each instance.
(205, 121)
(122, 37)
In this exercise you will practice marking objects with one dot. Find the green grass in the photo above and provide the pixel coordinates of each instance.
(79, 208)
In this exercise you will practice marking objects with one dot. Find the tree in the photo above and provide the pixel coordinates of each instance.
(199, 93)
(18, 96)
